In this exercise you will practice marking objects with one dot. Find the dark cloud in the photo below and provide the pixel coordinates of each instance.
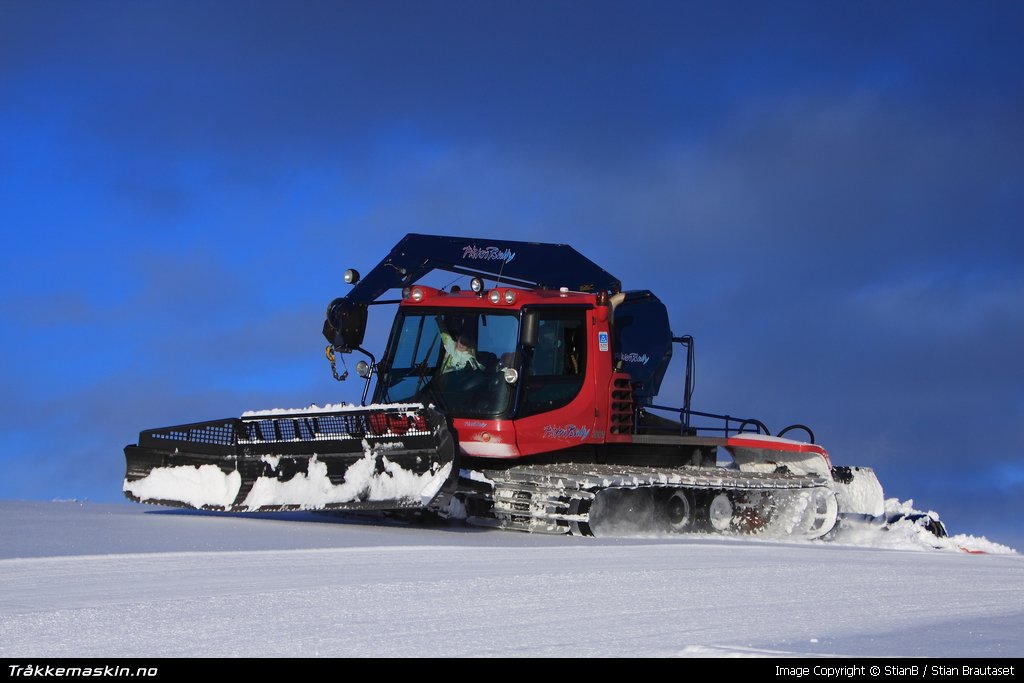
(279, 80)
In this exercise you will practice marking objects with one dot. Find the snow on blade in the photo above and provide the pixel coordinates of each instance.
(314, 489)
(198, 486)
(428, 492)
(330, 408)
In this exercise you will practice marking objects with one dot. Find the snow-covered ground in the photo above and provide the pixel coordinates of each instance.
(136, 581)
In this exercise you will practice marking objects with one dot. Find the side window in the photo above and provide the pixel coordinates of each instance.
(556, 366)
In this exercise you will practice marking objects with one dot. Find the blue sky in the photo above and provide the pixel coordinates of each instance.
(828, 196)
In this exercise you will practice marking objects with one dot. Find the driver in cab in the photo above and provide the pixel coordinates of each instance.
(459, 352)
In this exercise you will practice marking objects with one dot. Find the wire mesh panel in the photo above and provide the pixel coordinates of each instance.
(216, 433)
(344, 430)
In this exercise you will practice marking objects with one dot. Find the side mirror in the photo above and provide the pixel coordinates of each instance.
(530, 329)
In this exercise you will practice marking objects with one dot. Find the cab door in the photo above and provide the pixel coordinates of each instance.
(555, 409)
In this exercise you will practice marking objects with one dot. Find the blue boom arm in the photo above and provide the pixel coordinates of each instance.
(532, 265)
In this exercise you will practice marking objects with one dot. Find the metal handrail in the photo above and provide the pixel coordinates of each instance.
(727, 421)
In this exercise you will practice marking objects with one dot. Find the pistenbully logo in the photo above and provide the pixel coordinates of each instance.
(487, 253)
(640, 358)
(566, 432)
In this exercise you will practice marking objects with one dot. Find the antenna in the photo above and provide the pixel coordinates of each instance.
(498, 281)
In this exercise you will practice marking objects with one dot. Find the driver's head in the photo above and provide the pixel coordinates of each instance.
(459, 330)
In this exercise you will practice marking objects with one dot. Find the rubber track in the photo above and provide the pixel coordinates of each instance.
(556, 499)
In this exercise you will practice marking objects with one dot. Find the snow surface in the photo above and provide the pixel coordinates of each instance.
(131, 580)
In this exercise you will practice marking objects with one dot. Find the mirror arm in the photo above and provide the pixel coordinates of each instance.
(369, 375)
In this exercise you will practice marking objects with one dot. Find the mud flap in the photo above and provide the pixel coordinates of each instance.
(397, 457)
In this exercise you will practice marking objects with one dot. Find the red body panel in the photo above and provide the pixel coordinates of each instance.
(774, 444)
(487, 438)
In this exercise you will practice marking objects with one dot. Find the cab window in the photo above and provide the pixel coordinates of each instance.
(555, 367)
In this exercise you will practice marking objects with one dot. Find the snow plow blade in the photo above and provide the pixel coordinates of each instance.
(394, 457)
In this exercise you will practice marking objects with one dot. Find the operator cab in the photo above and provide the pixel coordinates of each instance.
(484, 357)
(453, 358)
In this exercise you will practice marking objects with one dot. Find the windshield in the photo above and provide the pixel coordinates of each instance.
(453, 358)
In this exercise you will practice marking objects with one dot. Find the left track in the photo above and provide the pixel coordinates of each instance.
(584, 498)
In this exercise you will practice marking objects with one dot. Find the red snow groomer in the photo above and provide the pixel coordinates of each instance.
(525, 400)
